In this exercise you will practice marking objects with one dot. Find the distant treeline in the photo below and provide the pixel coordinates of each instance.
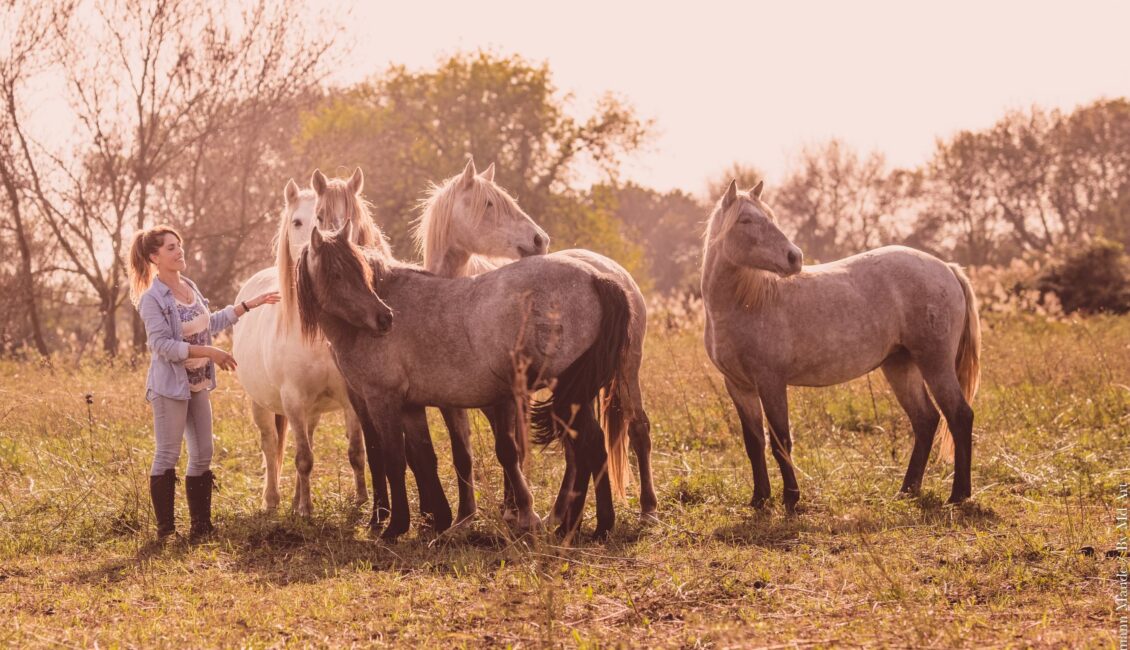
(187, 117)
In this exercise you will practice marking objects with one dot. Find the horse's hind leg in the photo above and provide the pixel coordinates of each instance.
(753, 435)
(269, 441)
(506, 448)
(592, 447)
(639, 432)
(459, 430)
(775, 401)
(356, 454)
(561, 503)
(941, 378)
(910, 389)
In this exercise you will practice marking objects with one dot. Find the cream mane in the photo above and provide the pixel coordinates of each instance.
(284, 262)
(434, 228)
(753, 288)
(337, 199)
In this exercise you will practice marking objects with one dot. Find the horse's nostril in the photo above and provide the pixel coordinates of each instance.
(539, 242)
(384, 321)
(793, 258)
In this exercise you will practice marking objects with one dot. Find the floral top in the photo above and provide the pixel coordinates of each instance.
(194, 329)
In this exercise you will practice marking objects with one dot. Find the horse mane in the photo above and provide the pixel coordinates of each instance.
(284, 264)
(335, 253)
(338, 199)
(433, 231)
(753, 288)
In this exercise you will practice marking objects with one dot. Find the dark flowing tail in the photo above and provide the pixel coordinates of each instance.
(968, 360)
(595, 369)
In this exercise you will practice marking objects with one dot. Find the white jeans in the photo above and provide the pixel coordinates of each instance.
(174, 419)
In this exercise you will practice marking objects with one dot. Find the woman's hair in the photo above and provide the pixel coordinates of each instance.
(145, 243)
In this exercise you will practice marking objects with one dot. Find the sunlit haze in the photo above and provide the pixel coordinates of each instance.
(754, 82)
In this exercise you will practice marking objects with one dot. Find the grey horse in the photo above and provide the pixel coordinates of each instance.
(469, 343)
(771, 324)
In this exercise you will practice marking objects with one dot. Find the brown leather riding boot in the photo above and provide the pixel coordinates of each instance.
(162, 491)
(198, 489)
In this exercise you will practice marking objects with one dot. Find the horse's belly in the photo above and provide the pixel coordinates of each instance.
(837, 366)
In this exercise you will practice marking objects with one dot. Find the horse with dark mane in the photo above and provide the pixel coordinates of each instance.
(466, 343)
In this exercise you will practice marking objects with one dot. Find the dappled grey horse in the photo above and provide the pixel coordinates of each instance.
(771, 323)
(468, 225)
(471, 343)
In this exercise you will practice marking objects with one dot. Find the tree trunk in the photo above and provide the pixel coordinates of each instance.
(27, 280)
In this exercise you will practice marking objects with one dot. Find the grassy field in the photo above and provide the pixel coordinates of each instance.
(1025, 563)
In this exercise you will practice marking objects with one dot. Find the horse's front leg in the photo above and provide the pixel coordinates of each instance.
(375, 461)
(459, 430)
(775, 401)
(502, 423)
(748, 404)
(386, 417)
(356, 454)
(268, 425)
(421, 457)
(561, 504)
(303, 424)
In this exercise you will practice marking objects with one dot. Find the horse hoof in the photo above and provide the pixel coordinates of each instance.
(957, 499)
(759, 503)
(649, 518)
(391, 533)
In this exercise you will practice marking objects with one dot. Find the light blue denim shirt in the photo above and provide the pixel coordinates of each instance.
(167, 375)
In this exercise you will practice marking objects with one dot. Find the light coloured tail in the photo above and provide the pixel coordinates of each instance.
(615, 424)
(968, 361)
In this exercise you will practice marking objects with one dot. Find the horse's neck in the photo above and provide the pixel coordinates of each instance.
(727, 287)
(453, 264)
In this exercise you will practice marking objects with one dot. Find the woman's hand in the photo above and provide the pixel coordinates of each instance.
(269, 298)
(222, 358)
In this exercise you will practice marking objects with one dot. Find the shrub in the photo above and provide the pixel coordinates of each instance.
(1094, 279)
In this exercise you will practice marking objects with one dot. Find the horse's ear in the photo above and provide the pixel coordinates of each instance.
(468, 174)
(488, 173)
(318, 182)
(356, 181)
(731, 195)
(756, 191)
(315, 238)
(291, 192)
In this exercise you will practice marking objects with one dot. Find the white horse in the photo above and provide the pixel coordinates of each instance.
(470, 225)
(289, 380)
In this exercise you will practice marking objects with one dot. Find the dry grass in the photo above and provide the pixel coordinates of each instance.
(1024, 564)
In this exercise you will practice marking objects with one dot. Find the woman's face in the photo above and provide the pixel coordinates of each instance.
(170, 257)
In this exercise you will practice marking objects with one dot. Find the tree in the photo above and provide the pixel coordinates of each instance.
(407, 129)
(154, 82)
(31, 29)
(669, 229)
(838, 203)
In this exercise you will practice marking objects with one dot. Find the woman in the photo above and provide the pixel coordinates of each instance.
(179, 329)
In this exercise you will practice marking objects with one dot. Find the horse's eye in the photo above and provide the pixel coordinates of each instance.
(490, 204)
(745, 220)
(297, 223)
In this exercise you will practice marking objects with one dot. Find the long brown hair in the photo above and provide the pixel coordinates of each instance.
(145, 243)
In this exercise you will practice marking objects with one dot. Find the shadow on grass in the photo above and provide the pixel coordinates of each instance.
(773, 528)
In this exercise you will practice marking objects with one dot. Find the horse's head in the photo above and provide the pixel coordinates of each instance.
(335, 277)
(298, 219)
(340, 202)
(472, 214)
(746, 232)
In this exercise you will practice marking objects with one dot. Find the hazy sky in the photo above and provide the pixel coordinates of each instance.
(754, 82)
